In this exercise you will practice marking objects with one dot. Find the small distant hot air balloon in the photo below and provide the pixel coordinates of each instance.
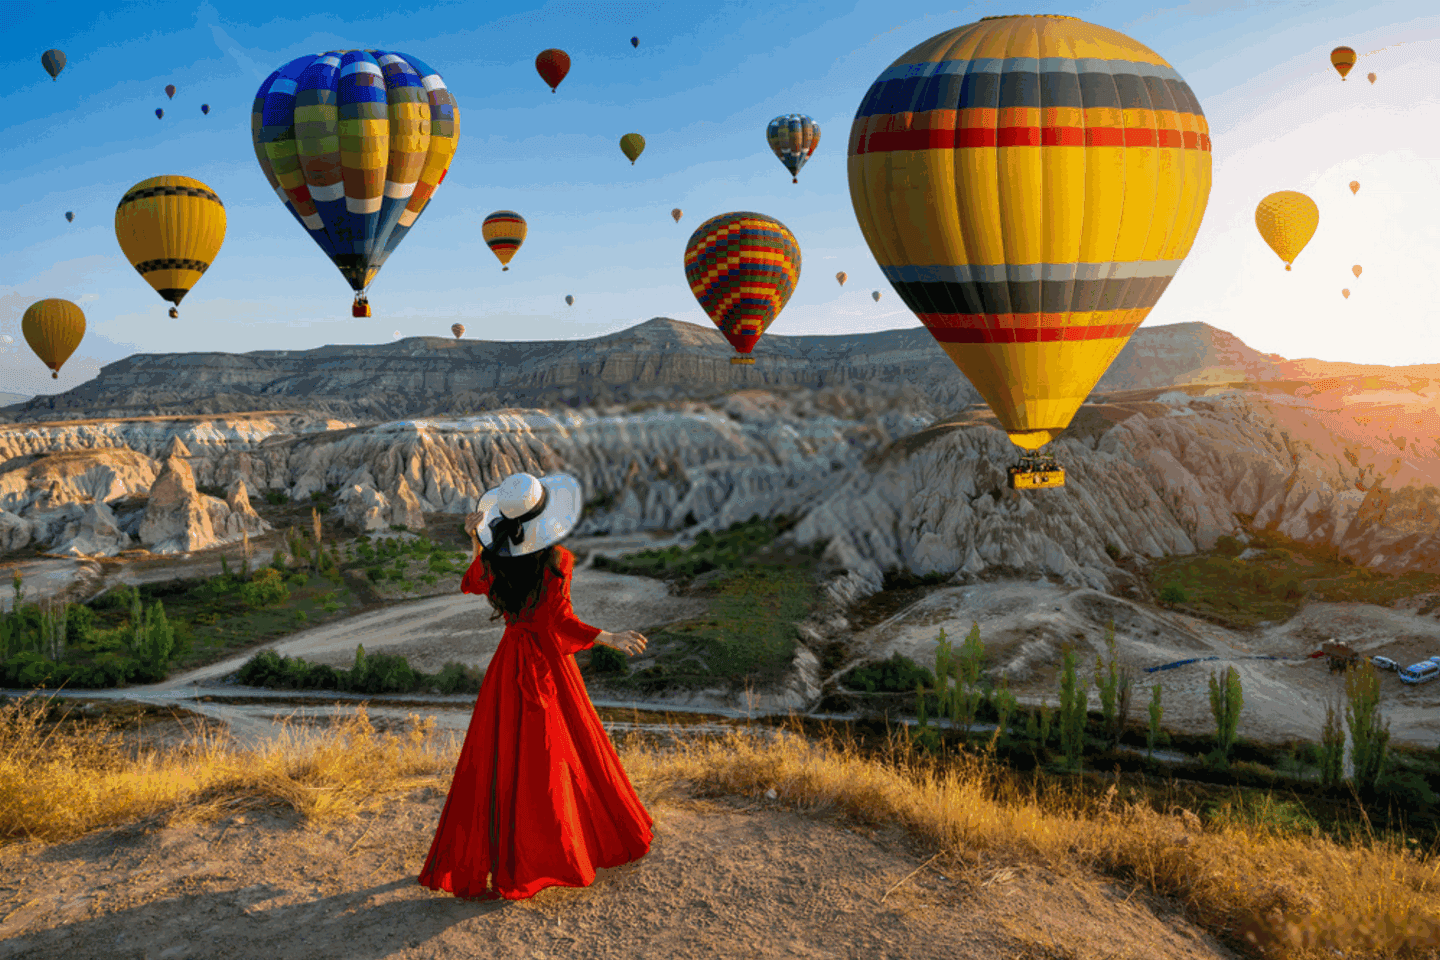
(170, 90)
(1354, 186)
(742, 267)
(632, 145)
(634, 41)
(458, 329)
(569, 300)
(53, 328)
(1287, 221)
(170, 229)
(793, 138)
(396, 334)
(159, 113)
(504, 231)
(841, 277)
(205, 108)
(53, 61)
(1370, 77)
(70, 215)
(1342, 58)
(1346, 293)
(553, 65)
(1356, 270)
(676, 214)
(875, 295)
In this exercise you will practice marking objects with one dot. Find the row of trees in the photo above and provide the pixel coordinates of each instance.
(959, 694)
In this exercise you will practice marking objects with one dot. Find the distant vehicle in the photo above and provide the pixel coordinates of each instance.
(1434, 659)
(1422, 672)
(1385, 663)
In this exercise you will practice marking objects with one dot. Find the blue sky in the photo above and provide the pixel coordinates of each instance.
(701, 87)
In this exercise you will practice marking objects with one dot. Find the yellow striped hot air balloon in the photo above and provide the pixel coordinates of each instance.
(170, 229)
(504, 231)
(1342, 59)
(1029, 185)
(53, 328)
(1287, 220)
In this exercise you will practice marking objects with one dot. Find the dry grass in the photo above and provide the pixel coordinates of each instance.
(1268, 894)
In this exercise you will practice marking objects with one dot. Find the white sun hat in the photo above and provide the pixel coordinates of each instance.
(542, 512)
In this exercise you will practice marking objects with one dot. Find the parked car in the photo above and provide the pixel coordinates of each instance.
(1385, 663)
(1422, 672)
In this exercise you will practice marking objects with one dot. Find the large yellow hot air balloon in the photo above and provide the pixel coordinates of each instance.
(1342, 59)
(1287, 221)
(53, 328)
(1031, 220)
(170, 229)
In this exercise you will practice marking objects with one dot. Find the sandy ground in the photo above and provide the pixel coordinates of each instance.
(1025, 623)
(738, 877)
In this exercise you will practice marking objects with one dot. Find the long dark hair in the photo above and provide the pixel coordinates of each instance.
(517, 581)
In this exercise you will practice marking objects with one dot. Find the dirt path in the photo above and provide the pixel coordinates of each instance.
(732, 879)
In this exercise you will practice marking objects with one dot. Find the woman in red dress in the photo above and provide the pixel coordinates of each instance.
(539, 798)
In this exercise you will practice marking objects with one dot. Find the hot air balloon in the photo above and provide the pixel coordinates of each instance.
(875, 295)
(1028, 257)
(552, 64)
(676, 214)
(1346, 293)
(458, 329)
(1356, 270)
(632, 145)
(320, 133)
(841, 277)
(1370, 77)
(70, 216)
(53, 61)
(170, 90)
(634, 41)
(794, 138)
(1354, 186)
(159, 114)
(53, 328)
(569, 300)
(205, 108)
(742, 267)
(396, 334)
(170, 229)
(504, 231)
(1342, 58)
(1287, 221)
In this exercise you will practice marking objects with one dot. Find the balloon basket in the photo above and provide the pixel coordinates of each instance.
(742, 359)
(1037, 473)
(360, 309)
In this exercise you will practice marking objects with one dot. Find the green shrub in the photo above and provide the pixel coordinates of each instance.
(458, 678)
(899, 674)
(297, 580)
(266, 589)
(608, 661)
(1229, 546)
(276, 498)
(1173, 593)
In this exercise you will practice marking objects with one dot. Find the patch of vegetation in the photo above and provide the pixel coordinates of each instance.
(899, 674)
(374, 674)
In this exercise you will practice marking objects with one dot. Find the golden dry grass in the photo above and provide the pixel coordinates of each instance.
(1277, 895)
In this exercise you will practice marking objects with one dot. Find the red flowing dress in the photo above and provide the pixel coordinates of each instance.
(539, 798)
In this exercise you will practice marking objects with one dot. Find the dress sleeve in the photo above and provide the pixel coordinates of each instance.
(476, 579)
(571, 634)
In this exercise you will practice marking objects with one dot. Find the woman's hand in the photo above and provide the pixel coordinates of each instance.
(630, 642)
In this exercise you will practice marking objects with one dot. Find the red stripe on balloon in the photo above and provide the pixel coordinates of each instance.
(898, 140)
(1016, 328)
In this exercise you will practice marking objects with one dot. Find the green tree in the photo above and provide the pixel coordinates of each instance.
(1114, 684)
(1074, 702)
(1368, 739)
(1332, 746)
(1155, 735)
(1005, 705)
(266, 589)
(966, 698)
(1226, 701)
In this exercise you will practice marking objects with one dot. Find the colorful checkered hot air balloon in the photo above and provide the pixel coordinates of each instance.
(1342, 59)
(793, 138)
(742, 267)
(504, 231)
(355, 143)
(170, 229)
(1029, 185)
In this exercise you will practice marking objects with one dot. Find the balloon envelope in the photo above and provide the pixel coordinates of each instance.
(159, 113)
(1354, 186)
(841, 277)
(53, 328)
(676, 214)
(553, 65)
(170, 229)
(742, 268)
(319, 129)
(875, 295)
(569, 300)
(634, 41)
(1356, 270)
(70, 215)
(1346, 293)
(504, 231)
(1370, 77)
(793, 138)
(458, 329)
(205, 108)
(1013, 220)
(53, 61)
(1287, 221)
(1342, 59)
(170, 90)
(632, 145)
